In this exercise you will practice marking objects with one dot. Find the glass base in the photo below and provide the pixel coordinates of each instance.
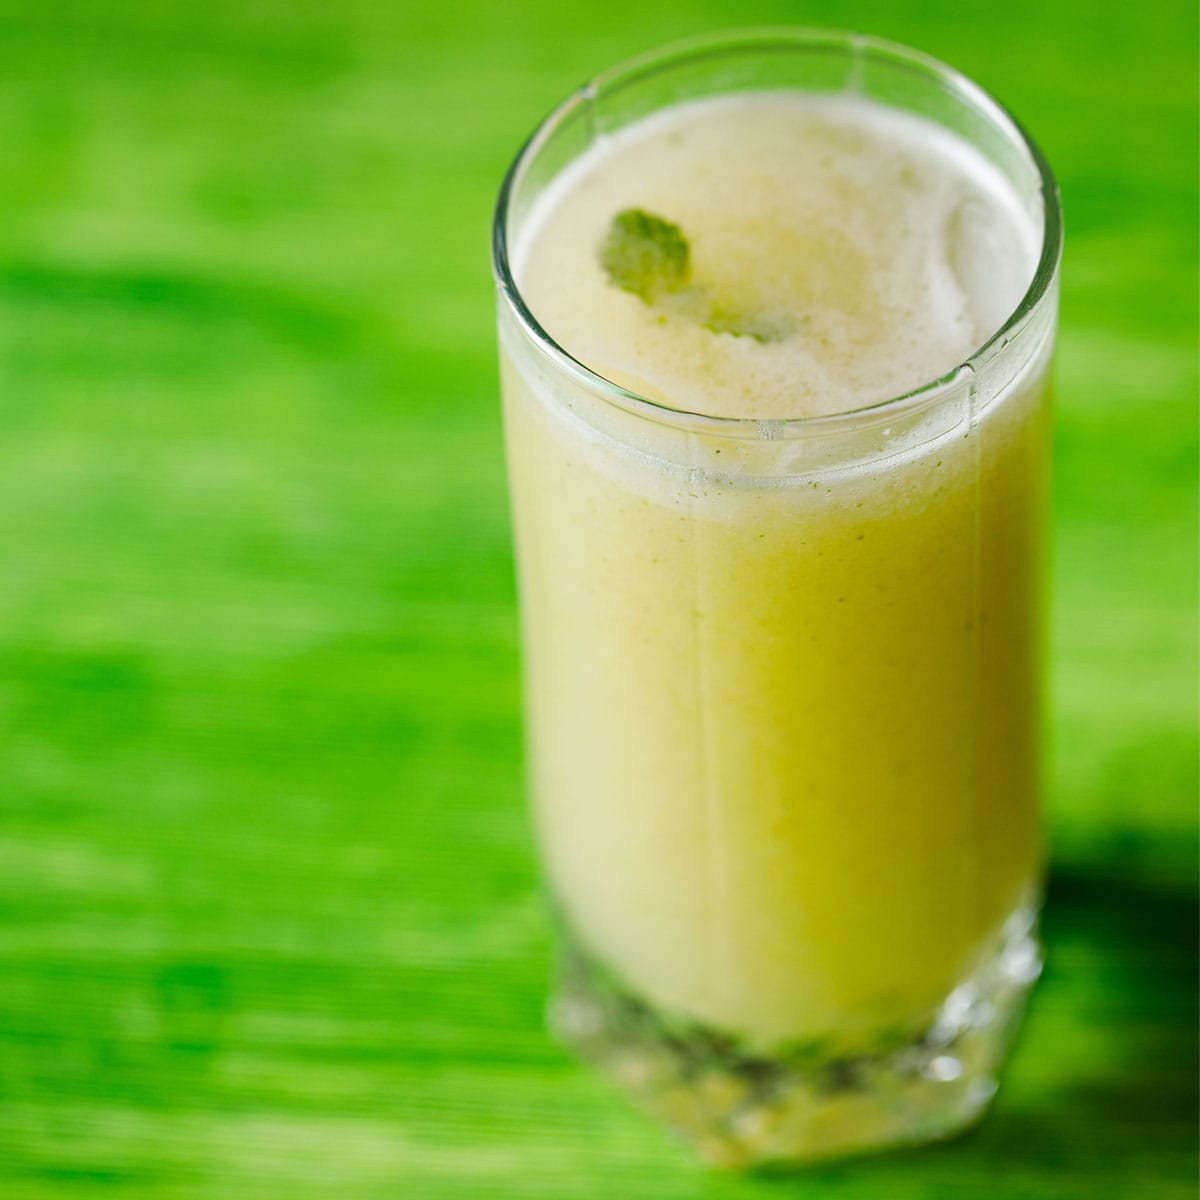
(738, 1109)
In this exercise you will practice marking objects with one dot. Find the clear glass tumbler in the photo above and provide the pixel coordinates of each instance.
(784, 684)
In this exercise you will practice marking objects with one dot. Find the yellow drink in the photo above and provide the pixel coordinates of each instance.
(783, 675)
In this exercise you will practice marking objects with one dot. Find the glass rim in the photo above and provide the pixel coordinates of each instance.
(770, 39)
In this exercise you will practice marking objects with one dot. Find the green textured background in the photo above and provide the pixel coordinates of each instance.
(268, 912)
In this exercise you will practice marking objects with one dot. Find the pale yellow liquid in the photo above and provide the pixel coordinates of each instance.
(783, 700)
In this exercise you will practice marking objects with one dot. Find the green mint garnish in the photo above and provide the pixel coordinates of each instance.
(757, 326)
(650, 257)
(645, 255)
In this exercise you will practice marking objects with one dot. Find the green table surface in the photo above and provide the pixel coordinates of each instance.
(270, 922)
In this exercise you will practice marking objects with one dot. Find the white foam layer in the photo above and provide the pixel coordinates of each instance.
(889, 248)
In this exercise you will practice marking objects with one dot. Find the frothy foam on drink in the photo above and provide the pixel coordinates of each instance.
(883, 249)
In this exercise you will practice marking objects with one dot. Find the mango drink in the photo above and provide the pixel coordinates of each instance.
(783, 665)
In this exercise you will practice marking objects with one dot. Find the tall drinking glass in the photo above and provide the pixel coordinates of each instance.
(783, 677)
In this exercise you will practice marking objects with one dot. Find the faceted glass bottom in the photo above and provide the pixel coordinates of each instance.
(738, 1109)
